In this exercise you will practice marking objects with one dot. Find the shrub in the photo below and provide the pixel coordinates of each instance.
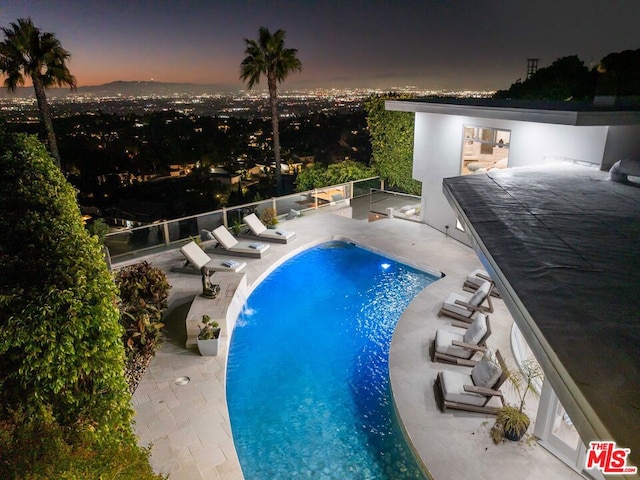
(143, 296)
(269, 217)
(60, 338)
(37, 447)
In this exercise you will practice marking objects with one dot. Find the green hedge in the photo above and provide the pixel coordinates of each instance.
(392, 144)
(60, 337)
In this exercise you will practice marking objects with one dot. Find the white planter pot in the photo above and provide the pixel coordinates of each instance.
(208, 348)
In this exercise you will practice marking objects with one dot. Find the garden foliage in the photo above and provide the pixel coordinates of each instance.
(392, 144)
(60, 338)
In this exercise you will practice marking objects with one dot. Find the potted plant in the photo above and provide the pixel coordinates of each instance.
(511, 420)
(208, 337)
(269, 217)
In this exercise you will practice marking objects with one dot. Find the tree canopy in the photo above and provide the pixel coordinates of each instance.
(565, 79)
(28, 52)
(318, 176)
(268, 56)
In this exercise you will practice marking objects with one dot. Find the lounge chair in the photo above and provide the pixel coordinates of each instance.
(474, 390)
(232, 246)
(462, 307)
(477, 278)
(459, 343)
(260, 231)
(197, 258)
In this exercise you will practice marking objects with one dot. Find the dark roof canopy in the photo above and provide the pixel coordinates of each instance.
(563, 244)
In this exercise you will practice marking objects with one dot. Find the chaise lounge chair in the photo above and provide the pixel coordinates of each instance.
(462, 307)
(459, 343)
(231, 246)
(197, 258)
(259, 230)
(477, 278)
(472, 391)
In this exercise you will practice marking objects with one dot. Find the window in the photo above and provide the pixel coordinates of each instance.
(484, 149)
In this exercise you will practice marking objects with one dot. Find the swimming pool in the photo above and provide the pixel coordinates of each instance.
(307, 375)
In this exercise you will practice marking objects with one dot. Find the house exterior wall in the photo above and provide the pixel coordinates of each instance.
(438, 154)
(623, 141)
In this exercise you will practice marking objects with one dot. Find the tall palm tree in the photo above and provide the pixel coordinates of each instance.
(28, 52)
(268, 56)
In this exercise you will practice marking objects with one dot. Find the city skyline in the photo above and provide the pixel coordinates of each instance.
(430, 44)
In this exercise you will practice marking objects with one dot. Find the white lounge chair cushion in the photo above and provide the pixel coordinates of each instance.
(475, 279)
(486, 373)
(254, 223)
(480, 294)
(453, 389)
(195, 255)
(224, 237)
(444, 339)
(476, 330)
(451, 305)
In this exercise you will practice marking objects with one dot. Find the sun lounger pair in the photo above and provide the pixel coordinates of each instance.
(261, 232)
(198, 258)
(229, 245)
(472, 391)
(459, 343)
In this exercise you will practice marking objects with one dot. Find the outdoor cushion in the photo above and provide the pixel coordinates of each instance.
(475, 279)
(477, 329)
(453, 389)
(485, 373)
(480, 294)
(444, 339)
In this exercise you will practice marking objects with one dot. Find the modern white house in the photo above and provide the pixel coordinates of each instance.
(526, 185)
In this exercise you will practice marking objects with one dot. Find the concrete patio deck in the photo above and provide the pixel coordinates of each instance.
(189, 427)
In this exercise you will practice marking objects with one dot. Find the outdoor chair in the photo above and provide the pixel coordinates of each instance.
(477, 278)
(472, 391)
(259, 230)
(462, 307)
(459, 343)
(229, 245)
(196, 258)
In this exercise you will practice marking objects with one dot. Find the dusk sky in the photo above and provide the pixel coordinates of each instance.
(449, 44)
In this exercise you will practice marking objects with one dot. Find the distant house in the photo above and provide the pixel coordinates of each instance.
(224, 177)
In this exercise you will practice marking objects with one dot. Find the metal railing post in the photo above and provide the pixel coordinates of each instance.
(315, 198)
(225, 222)
(165, 228)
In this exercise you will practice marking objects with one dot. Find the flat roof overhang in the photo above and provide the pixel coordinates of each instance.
(559, 113)
(563, 246)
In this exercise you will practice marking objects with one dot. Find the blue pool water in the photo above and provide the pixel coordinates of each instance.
(307, 381)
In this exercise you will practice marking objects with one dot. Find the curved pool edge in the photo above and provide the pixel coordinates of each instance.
(396, 256)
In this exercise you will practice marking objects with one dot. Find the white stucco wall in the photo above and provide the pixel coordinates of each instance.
(438, 147)
(623, 141)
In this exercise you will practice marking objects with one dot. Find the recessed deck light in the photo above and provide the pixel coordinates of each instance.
(182, 380)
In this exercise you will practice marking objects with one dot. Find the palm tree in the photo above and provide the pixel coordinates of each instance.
(267, 56)
(28, 52)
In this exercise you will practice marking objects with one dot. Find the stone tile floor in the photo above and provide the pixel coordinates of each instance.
(189, 425)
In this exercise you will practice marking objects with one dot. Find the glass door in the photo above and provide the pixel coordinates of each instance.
(557, 434)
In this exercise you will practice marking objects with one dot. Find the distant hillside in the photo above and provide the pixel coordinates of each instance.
(129, 89)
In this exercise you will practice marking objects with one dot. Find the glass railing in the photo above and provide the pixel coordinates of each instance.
(395, 204)
(159, 235)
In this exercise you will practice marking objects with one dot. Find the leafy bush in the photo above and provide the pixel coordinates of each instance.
(269, 217)
(392, 144)
(143, 296)
(37, 447)
(60, 336)
(317, 176)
